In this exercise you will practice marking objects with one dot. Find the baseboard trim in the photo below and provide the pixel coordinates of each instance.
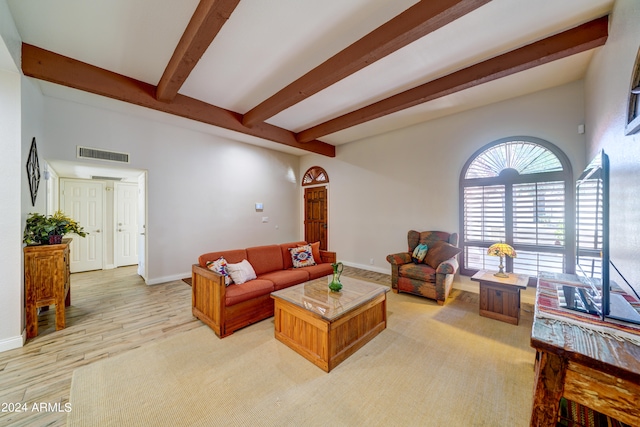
(13, 342)
(165, 279)
(368, 267)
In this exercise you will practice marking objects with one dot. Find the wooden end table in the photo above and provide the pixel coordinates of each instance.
(500, 297)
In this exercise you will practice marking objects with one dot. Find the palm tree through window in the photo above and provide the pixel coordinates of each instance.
(518, 191)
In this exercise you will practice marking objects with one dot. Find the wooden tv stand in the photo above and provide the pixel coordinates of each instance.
(589, 368)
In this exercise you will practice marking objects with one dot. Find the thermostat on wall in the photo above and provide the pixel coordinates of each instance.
(258, 206)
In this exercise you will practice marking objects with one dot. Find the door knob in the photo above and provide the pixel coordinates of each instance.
(97, 231)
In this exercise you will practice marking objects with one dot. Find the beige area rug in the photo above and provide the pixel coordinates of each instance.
(432, 366)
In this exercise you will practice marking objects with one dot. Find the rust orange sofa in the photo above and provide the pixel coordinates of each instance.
(228, 308)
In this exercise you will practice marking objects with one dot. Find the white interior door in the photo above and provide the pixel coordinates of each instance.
(83, 201)
(126, 227)
(142, 225)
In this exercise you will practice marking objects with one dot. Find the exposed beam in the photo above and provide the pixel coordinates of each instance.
(206, 22)
(562, 45)
(45, 65)
(419, 20)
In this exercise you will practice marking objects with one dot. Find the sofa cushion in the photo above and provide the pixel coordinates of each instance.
(422, 272)
(286, 256)
(265, 259)
(440, 251)
(318, 270)
(252, 289)
(285, 278)
(301, 256)
(315, 250)
(241, 272)
(232, 256)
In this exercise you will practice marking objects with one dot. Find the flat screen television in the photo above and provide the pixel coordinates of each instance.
(592, 249)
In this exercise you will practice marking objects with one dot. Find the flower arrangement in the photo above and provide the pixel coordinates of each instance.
(39, 228)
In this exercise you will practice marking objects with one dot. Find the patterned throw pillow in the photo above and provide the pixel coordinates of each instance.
(302, 256)
(241, 272)
(419, 253)
(440, 251)
(220, 267)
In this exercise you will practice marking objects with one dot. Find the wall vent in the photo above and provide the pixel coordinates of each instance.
(110, 156)
(105, 178)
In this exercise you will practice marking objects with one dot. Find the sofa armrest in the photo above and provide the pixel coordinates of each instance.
(399, 259)
(327, 256)
(449, 266)
(208, 293)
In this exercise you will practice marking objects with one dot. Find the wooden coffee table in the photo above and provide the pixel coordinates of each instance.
(327, 327)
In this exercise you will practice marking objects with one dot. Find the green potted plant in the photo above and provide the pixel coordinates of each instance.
(42, 229)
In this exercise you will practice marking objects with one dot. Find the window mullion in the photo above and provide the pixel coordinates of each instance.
(508, 219)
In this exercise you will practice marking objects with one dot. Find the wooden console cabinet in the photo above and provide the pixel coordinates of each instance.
(594, 369)
(47, 282)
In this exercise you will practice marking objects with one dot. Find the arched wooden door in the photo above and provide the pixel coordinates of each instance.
(316, 227)
(315, 215)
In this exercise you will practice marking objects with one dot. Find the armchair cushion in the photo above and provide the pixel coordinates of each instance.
(422, 272)
(440, 251)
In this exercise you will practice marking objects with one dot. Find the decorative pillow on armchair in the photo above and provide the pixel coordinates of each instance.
(440, 251)
(220, 267)
(419, 253)
(241, 272)
(302, 256)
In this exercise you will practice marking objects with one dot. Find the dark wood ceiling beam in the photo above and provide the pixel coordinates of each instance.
(45, 65)
(419, 20)
(579, 39)
(206, 22)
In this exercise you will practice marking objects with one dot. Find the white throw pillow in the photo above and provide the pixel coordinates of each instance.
(241, 272)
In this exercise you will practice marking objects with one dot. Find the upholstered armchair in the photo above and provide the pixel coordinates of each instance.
(431, 277)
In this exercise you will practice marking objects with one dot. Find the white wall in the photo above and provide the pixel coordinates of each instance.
(201, 188)
(11, 169)
(607, 87)
(381, 187)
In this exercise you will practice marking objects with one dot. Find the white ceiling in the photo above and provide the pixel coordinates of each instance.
(267, 44)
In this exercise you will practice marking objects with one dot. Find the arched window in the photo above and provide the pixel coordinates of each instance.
(315, 175)
(519, 191)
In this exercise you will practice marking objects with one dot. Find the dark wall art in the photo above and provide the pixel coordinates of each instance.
(33, 171)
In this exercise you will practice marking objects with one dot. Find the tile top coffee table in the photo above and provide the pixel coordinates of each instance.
(327, 327)
(500, 297)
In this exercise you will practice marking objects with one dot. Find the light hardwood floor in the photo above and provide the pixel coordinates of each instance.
(112, 311)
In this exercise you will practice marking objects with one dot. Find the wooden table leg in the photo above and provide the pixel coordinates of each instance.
(60, 319)
(549, 386)
(32, 320)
